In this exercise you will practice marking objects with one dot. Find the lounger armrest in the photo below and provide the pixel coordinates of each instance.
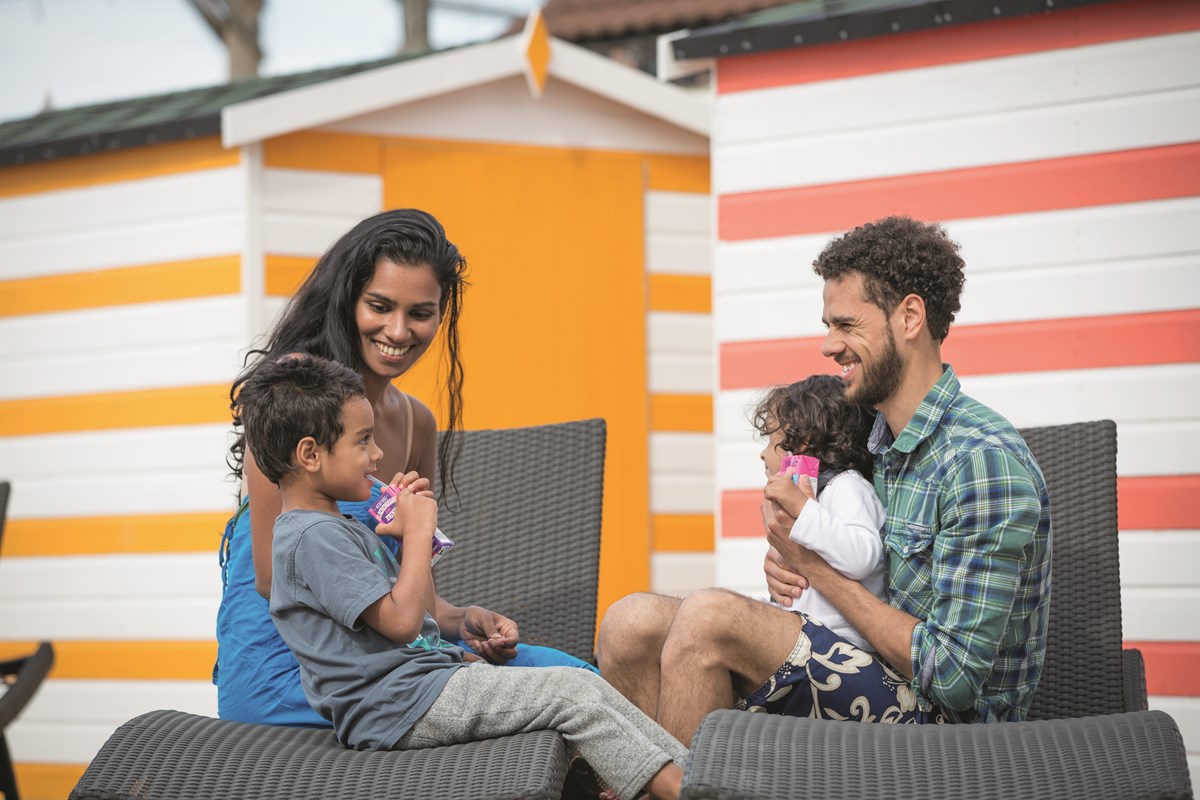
(740, 756)
(1134, 667)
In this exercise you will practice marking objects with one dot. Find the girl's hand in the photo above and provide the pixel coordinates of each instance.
(788, 495)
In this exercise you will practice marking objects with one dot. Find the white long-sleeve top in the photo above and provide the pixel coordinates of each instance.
(843, 528)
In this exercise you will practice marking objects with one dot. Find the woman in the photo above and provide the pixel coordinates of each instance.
(374, 302)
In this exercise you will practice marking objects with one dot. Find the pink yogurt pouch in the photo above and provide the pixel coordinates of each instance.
(798, 466)
(384, 511)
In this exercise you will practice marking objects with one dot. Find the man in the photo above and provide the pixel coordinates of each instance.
(967, 538)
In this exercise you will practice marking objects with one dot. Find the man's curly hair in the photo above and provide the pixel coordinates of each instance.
(899, 256)
(816, 419)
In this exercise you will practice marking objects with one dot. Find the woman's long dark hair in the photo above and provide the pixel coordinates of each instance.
(320, 318)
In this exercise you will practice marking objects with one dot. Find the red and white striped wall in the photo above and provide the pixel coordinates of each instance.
(1063, 152)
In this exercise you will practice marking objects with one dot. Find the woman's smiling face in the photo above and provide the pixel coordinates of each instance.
(398, 314)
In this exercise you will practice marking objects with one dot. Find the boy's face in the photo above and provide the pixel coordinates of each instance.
(347, 467)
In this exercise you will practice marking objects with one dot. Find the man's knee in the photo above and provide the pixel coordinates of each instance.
(731, 629)
(637, 623)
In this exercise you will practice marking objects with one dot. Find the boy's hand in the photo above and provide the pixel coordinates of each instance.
(787, 494)
(416, 517)
(489, 634)
(413, 482)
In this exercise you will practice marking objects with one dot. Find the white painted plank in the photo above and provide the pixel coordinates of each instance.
(149, 490)
(690, 453)
(126, 203)
(1048, 78)
(1082, 290)
(318, 192)
(174, 239)
(170, 618)
(739, 563)
(680, 574)
(678, 332)
(303, 234)
(678, 254)
(1013, 242)
(83, 455)
(1160, 559)
(1006, 137)
(681, 493)
(680, 373)
(148, 577)
(212, 359)
(1041, 398)
(1169, 614)
(1161, 448)
(679, 212)
(86, 333)
(69, 720)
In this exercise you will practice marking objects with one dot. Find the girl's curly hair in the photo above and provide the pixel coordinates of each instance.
(816, 419)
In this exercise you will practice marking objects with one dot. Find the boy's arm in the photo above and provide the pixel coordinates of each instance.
(843, 527)
(400, 614)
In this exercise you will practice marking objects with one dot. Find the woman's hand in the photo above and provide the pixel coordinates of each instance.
(492, 636)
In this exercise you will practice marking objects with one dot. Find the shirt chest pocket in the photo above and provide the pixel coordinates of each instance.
(910, 533)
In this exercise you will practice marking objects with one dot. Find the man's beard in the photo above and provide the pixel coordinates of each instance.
(880, 379)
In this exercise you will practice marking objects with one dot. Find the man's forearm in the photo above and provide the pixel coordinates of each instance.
(888, 629)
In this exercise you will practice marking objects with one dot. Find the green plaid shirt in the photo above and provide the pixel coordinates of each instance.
(968, 547)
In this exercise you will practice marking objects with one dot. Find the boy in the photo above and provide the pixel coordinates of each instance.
(371, 656)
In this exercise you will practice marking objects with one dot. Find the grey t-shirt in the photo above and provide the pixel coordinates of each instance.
(327, 571)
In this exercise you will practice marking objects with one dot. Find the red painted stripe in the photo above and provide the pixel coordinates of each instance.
(1126, 176)
(1008, 347)
(1160, 502)
(1110, 22)
(1172, 668)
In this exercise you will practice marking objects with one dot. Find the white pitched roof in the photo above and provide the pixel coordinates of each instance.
(442, 73)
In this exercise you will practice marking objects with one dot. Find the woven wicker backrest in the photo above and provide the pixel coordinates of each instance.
(1083, 672)
(526, 529)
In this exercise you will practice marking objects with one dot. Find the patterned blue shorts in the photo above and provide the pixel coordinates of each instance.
(828, 677)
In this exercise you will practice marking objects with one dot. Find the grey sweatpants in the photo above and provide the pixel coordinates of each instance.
(624, 747)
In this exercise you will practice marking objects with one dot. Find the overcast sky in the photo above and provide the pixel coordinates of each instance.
(79, 52)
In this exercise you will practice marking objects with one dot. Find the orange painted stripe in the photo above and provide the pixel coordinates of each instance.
(152, 533)
(1109, 22)
(125, 660)
(47, 781)
(682, 533)
(1158, 502)
(1009, 347)
(678, 174)
(690, 293)
(681, 412)
(190, 405)
(1127, 176)
(125, 165)
(149, 283)
(335, 152)
(1172, 668)
(284, 274)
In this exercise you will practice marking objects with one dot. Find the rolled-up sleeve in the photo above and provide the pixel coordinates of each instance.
(989, 516)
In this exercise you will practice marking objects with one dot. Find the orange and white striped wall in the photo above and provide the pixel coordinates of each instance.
(1063, 151)
(132, 284)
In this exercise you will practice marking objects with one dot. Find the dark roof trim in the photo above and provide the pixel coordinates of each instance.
(816, 23)
(175, 130)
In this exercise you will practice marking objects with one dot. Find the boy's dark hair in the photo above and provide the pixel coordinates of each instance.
(899, 256)
(284, 400)
(816, 419)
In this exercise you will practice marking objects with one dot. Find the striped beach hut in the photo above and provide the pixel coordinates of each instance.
(1059, 143)
(145, 244)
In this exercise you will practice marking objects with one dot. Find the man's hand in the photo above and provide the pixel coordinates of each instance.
(492, 636)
